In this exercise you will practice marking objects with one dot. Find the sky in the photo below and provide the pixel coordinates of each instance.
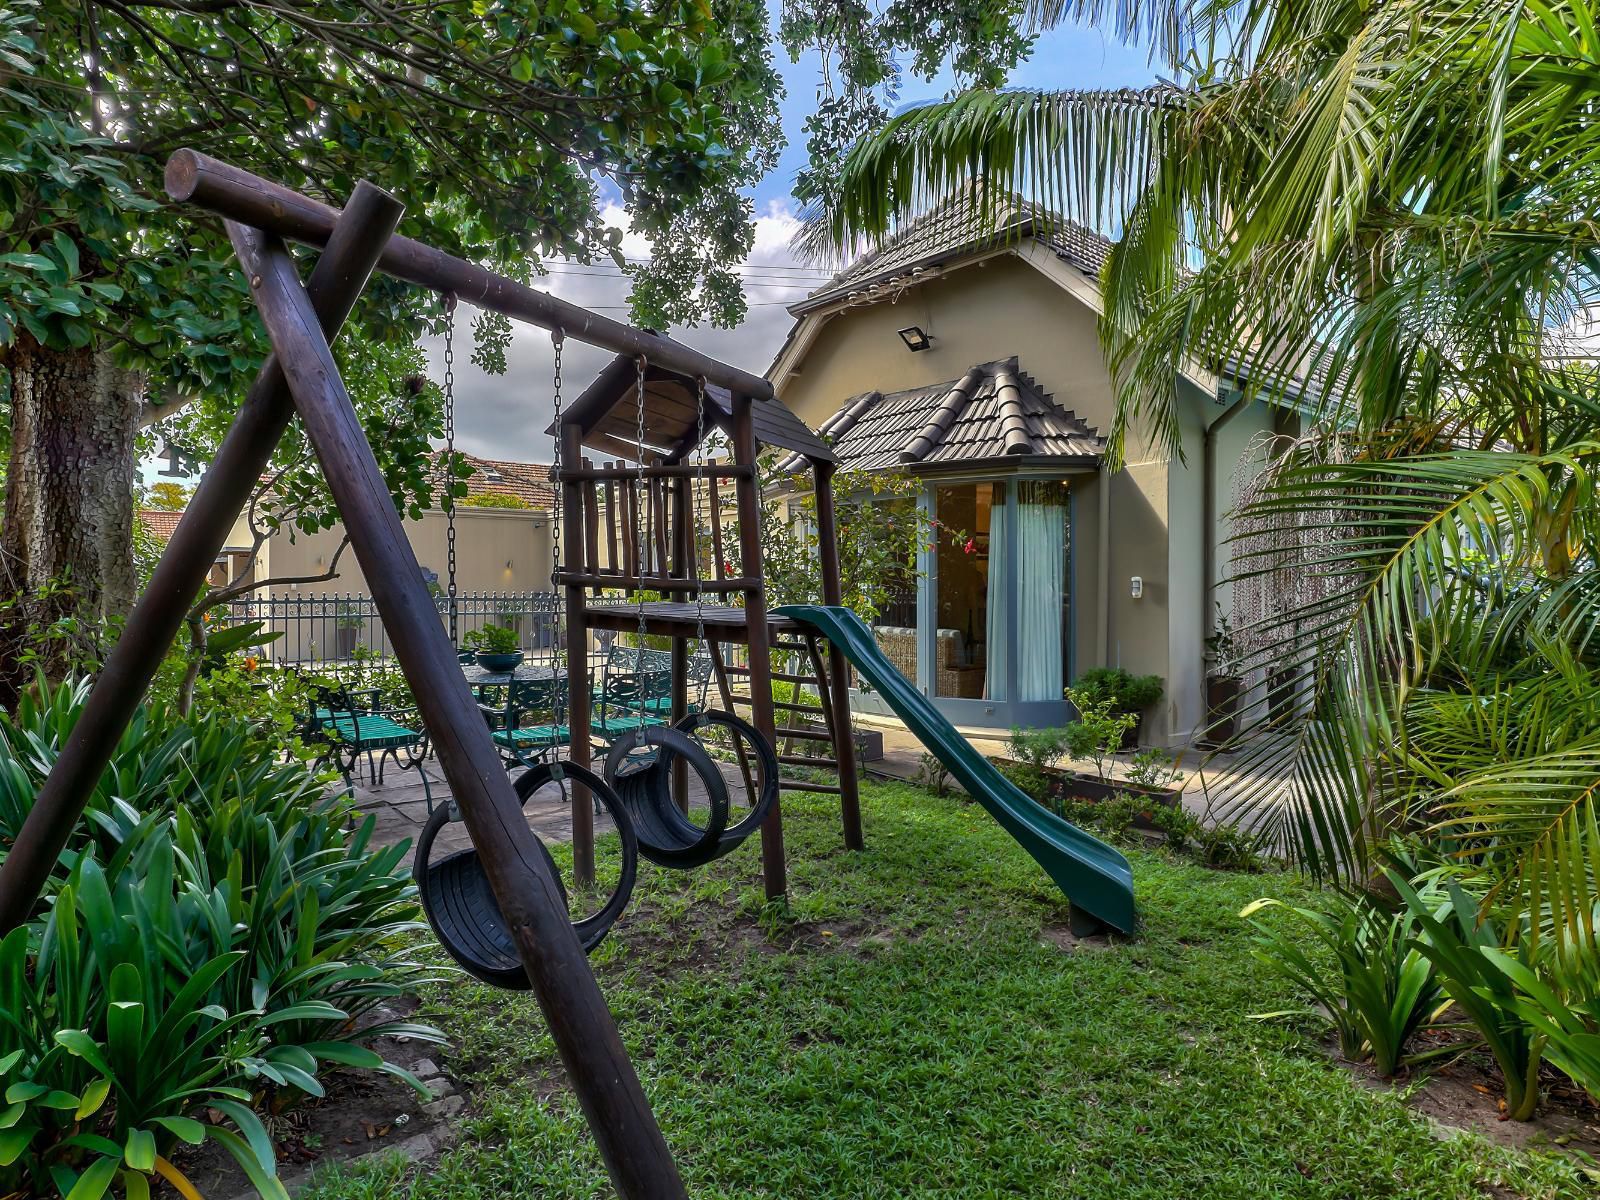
(504, 416)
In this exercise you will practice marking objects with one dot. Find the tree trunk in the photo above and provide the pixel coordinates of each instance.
(66, 545)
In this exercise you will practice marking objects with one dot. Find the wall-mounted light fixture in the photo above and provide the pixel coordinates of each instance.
(508, 564)
(1136, 586)
(915, 338)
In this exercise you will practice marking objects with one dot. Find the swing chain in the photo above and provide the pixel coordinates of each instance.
(449, 498)
(694, 525)
(558, 339)
(640, 364)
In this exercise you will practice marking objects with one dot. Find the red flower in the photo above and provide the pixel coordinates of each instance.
(969, 546)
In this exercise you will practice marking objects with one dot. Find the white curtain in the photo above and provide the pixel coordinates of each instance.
(994, 682)
(1040, 584)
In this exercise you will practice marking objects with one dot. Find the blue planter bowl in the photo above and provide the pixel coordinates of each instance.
(499, 663)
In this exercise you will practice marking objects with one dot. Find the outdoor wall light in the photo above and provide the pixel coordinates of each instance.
(915, 339)
(1136, 586)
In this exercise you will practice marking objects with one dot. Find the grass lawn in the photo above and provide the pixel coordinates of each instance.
(920, 1024)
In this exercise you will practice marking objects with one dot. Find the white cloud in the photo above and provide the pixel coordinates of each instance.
(505, 416)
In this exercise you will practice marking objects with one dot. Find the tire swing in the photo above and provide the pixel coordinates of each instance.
(460, 904)
(666, 835)
(643, 784)
(455, 893)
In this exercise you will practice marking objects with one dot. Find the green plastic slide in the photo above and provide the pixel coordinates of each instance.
(1094, 876)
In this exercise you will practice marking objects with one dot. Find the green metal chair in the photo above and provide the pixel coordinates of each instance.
(631, 684)
(523, 742)
(348, 724)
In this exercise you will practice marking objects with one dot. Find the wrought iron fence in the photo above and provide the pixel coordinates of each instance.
(331, 627)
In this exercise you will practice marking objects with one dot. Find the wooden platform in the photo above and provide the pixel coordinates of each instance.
(676, 618)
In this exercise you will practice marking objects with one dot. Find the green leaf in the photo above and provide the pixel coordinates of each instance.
(94, 1181)
(140, 1153)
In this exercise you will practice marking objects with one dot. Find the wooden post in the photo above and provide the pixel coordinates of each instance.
(579, 748)
(844, 746)
(682, 547)
(773, 869)
(524, 886)
(335, 284)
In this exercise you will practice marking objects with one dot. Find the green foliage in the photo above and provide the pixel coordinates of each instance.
(881, 528)
(1040, 748)
(492, 639)
(1119, 689)
(1365, 971)
(1153, 767)
(1097, 734)
(214, 935)
(493, 500)
(167, 496)
(349, 615)
(1464, 948)
(1401, 199)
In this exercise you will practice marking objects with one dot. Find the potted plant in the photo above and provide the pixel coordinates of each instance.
(347, 626)
(1224, 683)
(1122, 692)
(495, 648)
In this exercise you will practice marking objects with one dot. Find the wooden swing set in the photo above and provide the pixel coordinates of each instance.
(653, 406)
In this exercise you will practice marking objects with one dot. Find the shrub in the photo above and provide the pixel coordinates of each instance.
(1180, 825)
(1119, 689)
(1040, 748)
(1228, 847)
(1465, 949)
(1153, 768)
(1097, 733)
(1373, 983)
(214, 938)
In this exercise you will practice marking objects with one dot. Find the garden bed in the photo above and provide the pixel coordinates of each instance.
(1061, 785)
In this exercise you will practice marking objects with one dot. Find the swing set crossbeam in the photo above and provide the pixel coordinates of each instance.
(231, 192)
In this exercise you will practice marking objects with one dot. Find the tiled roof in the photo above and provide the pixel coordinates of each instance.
(994, 411)
(959, 226)
(159, 521)
(528, 482)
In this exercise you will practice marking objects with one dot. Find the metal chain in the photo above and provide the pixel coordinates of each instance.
(640, 364)
(558, 340)
(694, 526)
(450, 457)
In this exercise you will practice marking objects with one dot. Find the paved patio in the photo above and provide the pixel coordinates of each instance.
(401, 807)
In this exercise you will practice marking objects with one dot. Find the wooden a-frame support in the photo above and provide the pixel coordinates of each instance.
(301, 377)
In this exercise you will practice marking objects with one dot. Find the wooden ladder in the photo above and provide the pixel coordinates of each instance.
(806, 667)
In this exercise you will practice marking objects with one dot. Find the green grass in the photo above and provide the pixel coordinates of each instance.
(942, 1043)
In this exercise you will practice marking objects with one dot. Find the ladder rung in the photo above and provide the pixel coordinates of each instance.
(800, 785)
(802, 760)
(783, 675)
(809, 735)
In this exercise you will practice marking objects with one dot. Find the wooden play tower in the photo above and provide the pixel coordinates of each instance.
(631, 524)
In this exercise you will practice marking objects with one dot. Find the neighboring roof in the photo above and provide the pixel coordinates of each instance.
(161, 522)
(528, 482)
(608, 414)
(994, 412)
(962, 225)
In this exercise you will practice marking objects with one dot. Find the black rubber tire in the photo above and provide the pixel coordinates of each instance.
(766, 759)
(667, 837)
(460, 905)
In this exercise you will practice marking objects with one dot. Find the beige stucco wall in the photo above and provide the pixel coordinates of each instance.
(497, 550)
(504, 551)
(1001, 308)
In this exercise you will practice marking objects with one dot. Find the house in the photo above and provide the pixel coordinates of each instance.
(503, 541)
(973, 363)
(504, 550)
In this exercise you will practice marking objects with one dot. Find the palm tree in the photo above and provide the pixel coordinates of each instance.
(1394, 204)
